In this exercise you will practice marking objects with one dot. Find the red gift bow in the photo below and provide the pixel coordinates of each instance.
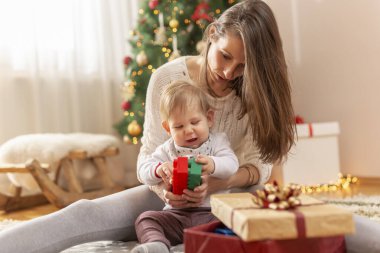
(299, 120)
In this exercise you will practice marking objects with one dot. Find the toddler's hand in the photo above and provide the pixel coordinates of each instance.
(165, 171)
(208, 166)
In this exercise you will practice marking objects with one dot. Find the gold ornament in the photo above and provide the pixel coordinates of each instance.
(126, 139)
(134, 128)
(173, 23)
(142, 59)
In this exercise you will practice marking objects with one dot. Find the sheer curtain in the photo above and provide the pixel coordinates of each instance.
(61, 64)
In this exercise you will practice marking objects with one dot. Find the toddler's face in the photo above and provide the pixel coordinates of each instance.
(189, 128)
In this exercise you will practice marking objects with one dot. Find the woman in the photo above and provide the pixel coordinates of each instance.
(243, 69)
(252, 94)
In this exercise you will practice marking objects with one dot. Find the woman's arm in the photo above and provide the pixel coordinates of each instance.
(246, 175)
(261, 171)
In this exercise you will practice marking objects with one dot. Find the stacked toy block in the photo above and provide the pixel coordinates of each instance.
(186, 174)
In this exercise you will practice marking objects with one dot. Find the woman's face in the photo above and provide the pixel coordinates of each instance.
(226, 60)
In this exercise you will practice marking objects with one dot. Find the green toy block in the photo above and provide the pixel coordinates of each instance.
(195, 172)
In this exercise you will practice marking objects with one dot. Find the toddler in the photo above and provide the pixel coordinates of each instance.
(187, 116)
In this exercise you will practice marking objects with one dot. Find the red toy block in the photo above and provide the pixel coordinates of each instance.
(180, 175)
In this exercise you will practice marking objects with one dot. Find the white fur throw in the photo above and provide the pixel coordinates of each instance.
(48, 148)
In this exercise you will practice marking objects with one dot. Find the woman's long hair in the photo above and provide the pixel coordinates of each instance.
(264, 88)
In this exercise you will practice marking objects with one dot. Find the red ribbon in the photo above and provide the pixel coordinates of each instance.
(300, 223)
(310, 130)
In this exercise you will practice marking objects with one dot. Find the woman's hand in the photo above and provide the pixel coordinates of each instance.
(195, 198)
(189, 198)
(176, 201)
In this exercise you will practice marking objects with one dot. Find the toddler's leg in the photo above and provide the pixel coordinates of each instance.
(151, 247)
(157, 228)
(107, 218)
(157, 231)
(163, 226)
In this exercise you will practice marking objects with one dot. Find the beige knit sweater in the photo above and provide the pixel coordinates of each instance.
(225, 120)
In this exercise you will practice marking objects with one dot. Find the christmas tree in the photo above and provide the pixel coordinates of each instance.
(166, 29)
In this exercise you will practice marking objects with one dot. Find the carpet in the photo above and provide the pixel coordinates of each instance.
(368, 206)
(96, 247)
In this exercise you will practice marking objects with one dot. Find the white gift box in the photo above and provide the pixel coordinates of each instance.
(314, 159)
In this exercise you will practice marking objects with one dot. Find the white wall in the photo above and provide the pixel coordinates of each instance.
(333, 53)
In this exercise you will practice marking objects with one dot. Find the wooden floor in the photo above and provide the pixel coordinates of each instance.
(366, 186)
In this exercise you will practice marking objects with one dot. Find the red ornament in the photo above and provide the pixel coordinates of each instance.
(200, 12)
(153, 4)
(127, 60)
(126, 105)
(299, 120)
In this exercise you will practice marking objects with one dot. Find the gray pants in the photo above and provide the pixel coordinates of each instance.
(113, 218)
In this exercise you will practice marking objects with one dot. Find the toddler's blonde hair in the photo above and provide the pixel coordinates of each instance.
(182, 95)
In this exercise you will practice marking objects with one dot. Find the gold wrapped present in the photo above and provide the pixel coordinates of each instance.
(312, 218)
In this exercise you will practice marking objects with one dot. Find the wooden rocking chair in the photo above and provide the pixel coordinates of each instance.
(50, 189)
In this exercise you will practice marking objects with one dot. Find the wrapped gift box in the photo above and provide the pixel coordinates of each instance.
(314, 159)
(313, 219)
(202, 239)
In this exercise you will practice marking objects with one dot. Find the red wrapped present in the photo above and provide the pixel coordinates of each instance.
(202, 239)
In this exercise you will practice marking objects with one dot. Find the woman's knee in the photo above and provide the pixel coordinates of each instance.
(136, 199)
(82, 203)
(82, 207)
